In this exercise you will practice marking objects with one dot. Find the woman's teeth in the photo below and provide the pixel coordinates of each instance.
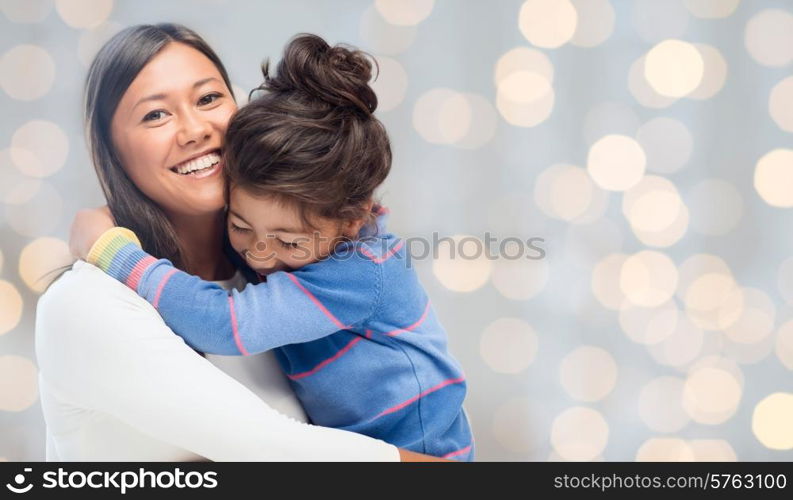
(197, 164)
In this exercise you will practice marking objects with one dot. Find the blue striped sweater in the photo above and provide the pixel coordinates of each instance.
(355, 334)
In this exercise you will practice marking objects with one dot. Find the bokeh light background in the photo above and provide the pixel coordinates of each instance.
(650, 143)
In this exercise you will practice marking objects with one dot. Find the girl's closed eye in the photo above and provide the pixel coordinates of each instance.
(287, 244)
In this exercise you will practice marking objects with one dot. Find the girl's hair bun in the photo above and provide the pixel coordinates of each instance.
(338, 75)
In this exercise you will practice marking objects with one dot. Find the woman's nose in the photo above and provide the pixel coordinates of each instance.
(194, 129)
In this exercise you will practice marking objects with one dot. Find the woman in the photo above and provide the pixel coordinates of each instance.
(116, 383)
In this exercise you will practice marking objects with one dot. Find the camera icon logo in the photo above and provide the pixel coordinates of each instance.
(19, 479)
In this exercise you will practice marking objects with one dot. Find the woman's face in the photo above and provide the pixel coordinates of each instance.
(168, 130)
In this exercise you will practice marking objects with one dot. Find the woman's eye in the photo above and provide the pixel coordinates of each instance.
(209, 99)
(239, 229)
(154, 115)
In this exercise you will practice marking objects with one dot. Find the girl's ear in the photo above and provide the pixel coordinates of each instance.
(351, 228)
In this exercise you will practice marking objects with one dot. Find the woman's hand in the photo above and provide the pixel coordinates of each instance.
(88, 226)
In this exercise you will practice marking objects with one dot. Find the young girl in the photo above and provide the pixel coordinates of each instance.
(350, 324)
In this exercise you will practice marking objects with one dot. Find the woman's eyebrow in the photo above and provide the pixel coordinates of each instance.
(157, 97)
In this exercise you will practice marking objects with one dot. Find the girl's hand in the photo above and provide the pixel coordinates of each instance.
(88, 226)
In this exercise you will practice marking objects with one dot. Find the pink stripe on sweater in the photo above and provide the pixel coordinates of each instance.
(317, 302)
(458, 452)
(164, 280)
(412, 327)
(333, 358)
(380, 260)
(137, 272)
(235, 330)
(416, 398)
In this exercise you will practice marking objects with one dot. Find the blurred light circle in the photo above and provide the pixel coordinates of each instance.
(83, 14)
(609, 118)
(649, 325)
(773, 177)
(26, 11)
(548, 23)
(442, 116)
(712, 450)
(523, 59)
(769, 37)
(655, 21)
(616, 162)
(668, 236)
(716, 207)
(642, 91)
(37, 216)
(519, 279)
(382, 37)
(711, 9)
(714, 301)
(15, 188)
(696, 266)
(780, 104)
(784, 344)
(483, 123)
(771, 421)
(404, 12)
(514, 426)
(10, 307)
(667, 144)
(391, 83)
(27, 72)
(605, 281)
(579, 434)
(564, 192)
(665, 450)
(674, 68)
(661, 404)
(648, 278)
(714, 73)
(588, 373)
(525, 98)
(681, 347)
(757, 318)
(711, 395)
(39, 148)
(746, 354)
(41, 260)
(508, 345)
(652, 205)
(93, 39)
(595, 22)
(459, 267)
(18, 383)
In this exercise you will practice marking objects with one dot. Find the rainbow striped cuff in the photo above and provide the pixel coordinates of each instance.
(118, 253)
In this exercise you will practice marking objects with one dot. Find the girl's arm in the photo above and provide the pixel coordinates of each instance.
(106, 350)
(309, 303)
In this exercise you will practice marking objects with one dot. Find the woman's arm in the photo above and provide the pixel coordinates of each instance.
(109, 351)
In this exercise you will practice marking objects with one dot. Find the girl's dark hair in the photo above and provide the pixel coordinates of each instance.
(311, 138)
(111, 73)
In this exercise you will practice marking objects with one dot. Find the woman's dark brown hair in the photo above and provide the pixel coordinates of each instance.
(311, 138)
(111, 73)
